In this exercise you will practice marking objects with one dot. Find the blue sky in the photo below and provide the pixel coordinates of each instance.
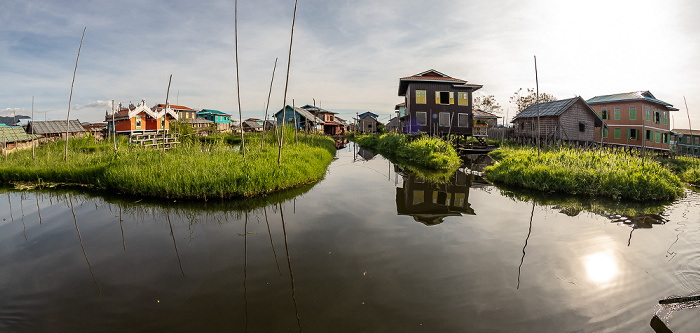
(347, 55)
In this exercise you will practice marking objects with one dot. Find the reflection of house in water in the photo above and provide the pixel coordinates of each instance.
(430, 203)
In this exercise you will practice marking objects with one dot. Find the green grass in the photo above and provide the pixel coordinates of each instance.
(194, 170)
(586, 172)
(686, 167)
(423, 151)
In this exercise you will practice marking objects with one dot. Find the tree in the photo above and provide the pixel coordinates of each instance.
(487, 104)
(522, 101)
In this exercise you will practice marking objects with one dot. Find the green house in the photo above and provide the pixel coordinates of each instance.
(221, 120)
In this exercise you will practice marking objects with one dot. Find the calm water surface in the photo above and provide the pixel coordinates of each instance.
(368, 249)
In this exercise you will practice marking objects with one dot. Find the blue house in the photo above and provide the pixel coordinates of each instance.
(304, 118)
(367, 122)
(221, 120)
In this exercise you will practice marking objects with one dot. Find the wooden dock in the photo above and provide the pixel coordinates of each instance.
(155, 140)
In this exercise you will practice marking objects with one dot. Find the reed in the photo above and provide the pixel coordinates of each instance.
(195, 170)
(423, 151)
(600, 173)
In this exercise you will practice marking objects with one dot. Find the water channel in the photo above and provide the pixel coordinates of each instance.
(370, 248)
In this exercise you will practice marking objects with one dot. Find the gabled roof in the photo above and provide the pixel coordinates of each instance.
(316, 109)
(215, 112)
(630, 96)
(304, 113)
(686, 132)
(15, 134)
(484, 114)
(174, 107)
(252, 124)
(157, 112)
(432, 75)
(556, 108)
(368, 114)
(400, 105)
(54, 127)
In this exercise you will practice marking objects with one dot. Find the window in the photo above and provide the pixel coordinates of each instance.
(138, 122)
(463, 98)
(604, 114)
(444, 97)
(657, 137)
(687, 140)
(581, 127)
(697, 141)
(162, 123)
(617, 113)
(420, 96)
(421, 118)
(444, 119)
(617, 132)
(664, 138)
(604, 132)
(665, 117)
(463, 120)
(657, 116)
(648, 135)
(633, 113)
(647, 113)
(632, 133)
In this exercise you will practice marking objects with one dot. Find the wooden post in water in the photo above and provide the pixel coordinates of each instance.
(238, 85)
(70, 99)
(114, 129)
(165, 112)
(33, 128)
(689, 126)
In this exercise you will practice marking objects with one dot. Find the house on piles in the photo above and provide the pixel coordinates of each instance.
(635, 120)
(686, 142)
(52, 130)
(368, 122)
(253, 125)
(330, 125)
(14, 137)
(436, 103)
(221, 120)
(302, 117)
(570, 120)
(139, 119)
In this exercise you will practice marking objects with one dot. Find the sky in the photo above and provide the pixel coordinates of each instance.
(347, 56)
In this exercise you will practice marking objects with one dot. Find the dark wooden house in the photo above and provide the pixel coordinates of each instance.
(570, 120)
(437, 104)
(368, 122)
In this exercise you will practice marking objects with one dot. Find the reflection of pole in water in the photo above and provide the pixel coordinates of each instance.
(12, 218)
(529, 231)
(629, 241)
(245, 269)
(37, 206)
(21, 207)
(271, 243)
(121, 226)
(80, 237)
(172, 234)
(289, 264)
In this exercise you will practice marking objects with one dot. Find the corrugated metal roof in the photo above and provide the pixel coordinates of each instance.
(304, 113)
(630, 96)
(54, 127)
(555, 108)
(15, 134)
(484, 114)
(686, 132)
(208, 111)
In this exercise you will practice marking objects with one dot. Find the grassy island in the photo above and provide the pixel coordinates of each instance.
(587, 172)
(198, 169)
(424, 152)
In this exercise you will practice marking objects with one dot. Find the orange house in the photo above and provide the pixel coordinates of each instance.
(140, 118)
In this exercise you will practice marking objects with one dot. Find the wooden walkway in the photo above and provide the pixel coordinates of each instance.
(155, 140)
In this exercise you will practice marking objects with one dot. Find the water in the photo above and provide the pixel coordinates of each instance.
(367, 249)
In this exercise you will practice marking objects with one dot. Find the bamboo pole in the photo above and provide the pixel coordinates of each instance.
(537, 101)
(32, 128)
(286, 84)
(165, 111)
(690, 127)
(267, 106)
(238, 84)
(70, 99)
(4, 143)
(296, 139)
(114, 129)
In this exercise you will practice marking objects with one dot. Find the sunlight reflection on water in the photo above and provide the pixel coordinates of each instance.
(601, 267)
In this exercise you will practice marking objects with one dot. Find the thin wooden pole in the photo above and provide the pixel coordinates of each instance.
(70, 99)
(286, 84)
(267, 106)
(690, 127)
(114, 129)
(296, 139)
(537, 101)
(238, 84)
(165, 111)
(32, 128)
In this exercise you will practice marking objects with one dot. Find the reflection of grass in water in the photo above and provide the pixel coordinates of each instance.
(421, 152)
(433, 176)
(571, 205)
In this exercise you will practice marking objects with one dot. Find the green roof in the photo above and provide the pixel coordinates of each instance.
(15, 134)
(209, 111)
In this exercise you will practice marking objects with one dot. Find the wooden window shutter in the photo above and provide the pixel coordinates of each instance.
(452, 97)
(437, 97)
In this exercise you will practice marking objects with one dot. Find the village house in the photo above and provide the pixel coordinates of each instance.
(367, 122)
(182, 112)
(483, 118)
(221, 120)
(139, 118)
(253, 125)
(570, 120)
(52, 130)
(330, 125)
(14, 137)
(436, 103)
(634, 120)
(687, 142)
(303, 118)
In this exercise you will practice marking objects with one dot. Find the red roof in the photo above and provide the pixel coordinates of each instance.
(172, 106)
